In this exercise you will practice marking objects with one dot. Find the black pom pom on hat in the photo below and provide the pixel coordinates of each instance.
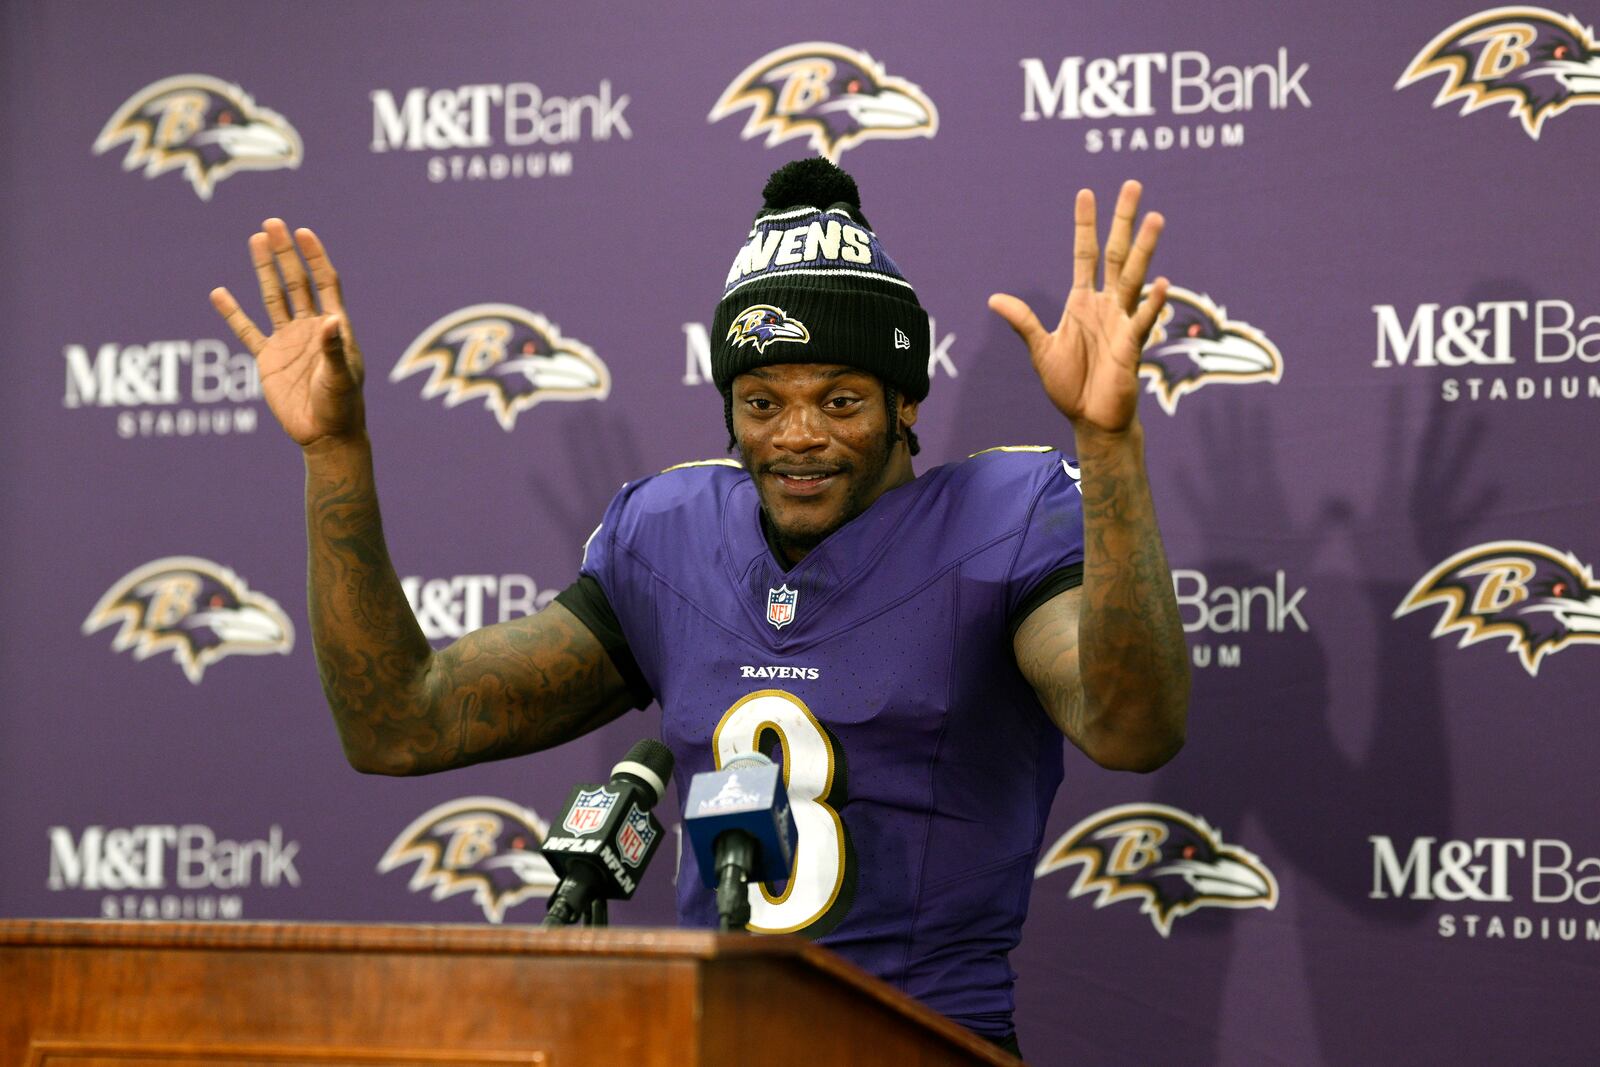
(813, 182)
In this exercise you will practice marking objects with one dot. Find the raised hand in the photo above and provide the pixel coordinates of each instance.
(1089, 364)
(310, 365)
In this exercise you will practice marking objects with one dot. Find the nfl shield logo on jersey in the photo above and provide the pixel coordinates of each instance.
(589, 810)
(633, 840)
(780, 605)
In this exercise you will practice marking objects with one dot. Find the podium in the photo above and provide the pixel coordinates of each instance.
(127, 994)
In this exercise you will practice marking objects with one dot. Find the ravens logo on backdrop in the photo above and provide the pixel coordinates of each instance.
(203, 125)
(1169, 861)
(508, 356)
(835, 96)
(1195, 344)
(1538, 599)
(1536, 60)
(763, 324)
(480, 845)
(198, 610)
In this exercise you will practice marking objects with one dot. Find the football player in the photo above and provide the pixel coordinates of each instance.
(910, 648)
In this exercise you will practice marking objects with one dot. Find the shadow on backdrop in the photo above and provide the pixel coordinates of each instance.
(1316, 740)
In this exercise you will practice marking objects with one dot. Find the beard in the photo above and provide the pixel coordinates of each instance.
(797, 527)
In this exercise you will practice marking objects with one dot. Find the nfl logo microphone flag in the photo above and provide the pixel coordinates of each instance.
(589, 810)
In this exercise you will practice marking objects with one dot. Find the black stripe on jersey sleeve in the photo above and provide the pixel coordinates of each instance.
(1057, 581)
(585, 599)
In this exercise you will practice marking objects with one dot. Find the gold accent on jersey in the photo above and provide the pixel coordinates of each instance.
(1014, 448)
(705, 463)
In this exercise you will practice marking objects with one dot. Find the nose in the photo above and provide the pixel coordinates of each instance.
(799, 429)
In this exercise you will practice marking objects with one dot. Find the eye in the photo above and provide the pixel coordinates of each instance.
(1189, 852)
(1560, 51)
(216, 600)
(842, 403)
(1559, 589)
(225, 119)
(760, 403)
(1194, 329)
(853, 85)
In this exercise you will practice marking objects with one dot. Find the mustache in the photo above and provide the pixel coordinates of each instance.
(803, 470)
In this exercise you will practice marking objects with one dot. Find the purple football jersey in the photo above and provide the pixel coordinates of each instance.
(879, 672)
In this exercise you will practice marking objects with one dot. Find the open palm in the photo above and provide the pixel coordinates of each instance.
(1089, 364)
(310, 365)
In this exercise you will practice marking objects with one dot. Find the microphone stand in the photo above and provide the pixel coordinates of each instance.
(736, 858)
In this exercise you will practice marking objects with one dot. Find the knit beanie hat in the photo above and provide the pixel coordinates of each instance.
(812, 284)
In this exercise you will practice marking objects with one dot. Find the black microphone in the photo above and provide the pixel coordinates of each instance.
(737, 819)
(606, 835)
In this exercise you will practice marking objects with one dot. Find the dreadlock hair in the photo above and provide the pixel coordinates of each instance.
(891, 398)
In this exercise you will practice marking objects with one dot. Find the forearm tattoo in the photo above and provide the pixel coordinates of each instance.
(1108, 660)
(402, 708)
(1134, 659)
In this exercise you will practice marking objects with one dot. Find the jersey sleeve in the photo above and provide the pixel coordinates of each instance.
(1056, 582)
(1049, 557)
(615, 598)
(587, 600)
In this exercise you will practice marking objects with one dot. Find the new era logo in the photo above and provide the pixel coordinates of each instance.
(900, 338)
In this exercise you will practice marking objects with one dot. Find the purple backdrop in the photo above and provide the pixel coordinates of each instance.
(1359, 428)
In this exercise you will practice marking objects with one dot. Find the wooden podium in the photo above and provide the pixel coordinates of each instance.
(121, 994)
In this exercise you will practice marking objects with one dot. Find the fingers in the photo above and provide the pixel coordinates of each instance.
(237, 320)
(1121, 232)
(289, 265)
(338, 361)
(1144, 247)
(1144, 317)
(329, 295)
(267, 278)
(1085, 245)
(1020, 318)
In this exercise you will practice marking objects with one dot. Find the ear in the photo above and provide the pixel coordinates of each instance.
(908, 411)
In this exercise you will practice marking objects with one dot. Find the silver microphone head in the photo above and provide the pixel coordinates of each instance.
(747, 759)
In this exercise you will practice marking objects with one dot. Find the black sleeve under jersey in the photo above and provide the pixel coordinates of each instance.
(585, 599)
(1057, 581)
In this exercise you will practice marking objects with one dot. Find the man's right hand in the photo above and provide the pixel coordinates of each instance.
(310, 365)
(400, 707)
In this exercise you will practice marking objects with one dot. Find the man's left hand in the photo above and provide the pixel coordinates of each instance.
(1089, 365)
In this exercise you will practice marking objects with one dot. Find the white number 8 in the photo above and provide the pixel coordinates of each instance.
(808, 775)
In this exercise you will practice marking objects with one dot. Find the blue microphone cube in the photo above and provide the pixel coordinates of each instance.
(748, 798)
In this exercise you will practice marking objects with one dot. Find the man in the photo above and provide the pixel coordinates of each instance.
(932, 636)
